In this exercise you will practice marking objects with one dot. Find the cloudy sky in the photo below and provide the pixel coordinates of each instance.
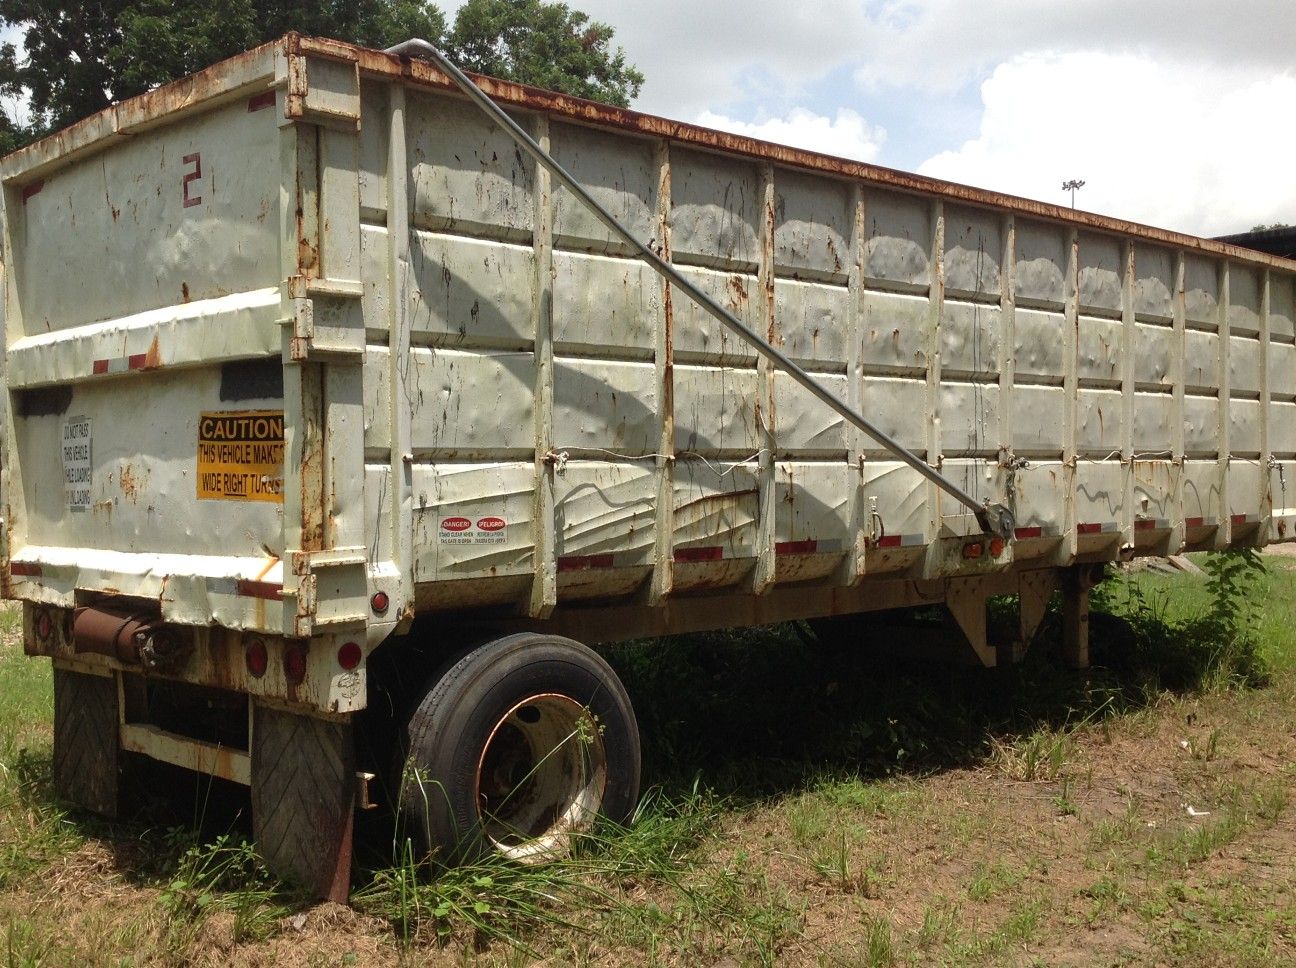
(1178, 113)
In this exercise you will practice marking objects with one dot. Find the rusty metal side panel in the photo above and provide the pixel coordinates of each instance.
(447, 495)
(604, 307)
(174, 215)
(814, 223)
(143, 494)
(466, 176)
(811, 317)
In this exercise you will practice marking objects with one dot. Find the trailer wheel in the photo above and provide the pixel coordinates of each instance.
(522, 743)
(88, 758)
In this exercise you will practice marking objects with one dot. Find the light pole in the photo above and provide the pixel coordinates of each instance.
(1071, 186)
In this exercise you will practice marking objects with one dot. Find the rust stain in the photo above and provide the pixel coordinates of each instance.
(184, 291)
(738, 291)
(307, 254)
(130, 487)
(153, 357)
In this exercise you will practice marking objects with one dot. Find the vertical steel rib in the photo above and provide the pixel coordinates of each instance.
(994, 518)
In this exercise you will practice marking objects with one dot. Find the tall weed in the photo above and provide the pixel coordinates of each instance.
(1180, 642)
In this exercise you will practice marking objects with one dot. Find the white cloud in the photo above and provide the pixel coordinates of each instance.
(1161, 142)
(704, 54)
(847, 135)
(942, 44)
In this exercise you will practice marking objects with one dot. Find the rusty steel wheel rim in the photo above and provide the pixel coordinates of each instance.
(540, 777)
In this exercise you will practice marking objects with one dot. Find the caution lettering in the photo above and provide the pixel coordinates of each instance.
(241, 455)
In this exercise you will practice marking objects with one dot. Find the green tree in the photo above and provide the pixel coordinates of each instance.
(545, 44)
(82, 55)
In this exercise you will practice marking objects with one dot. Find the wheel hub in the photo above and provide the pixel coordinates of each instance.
(540, 777)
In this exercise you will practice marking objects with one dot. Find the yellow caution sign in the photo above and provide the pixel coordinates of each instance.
(241, 455)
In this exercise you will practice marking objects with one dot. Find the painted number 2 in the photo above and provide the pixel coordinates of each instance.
(194, 173)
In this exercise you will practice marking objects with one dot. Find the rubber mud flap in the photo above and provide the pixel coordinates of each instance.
(87, 743)
(499, 727)
(303, 799)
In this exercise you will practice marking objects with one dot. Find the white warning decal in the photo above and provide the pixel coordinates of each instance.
(489, 530)
(76, 462)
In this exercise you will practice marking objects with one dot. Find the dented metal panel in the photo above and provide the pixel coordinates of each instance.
(487, 402)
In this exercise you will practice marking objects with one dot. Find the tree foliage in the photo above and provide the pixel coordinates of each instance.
(82, 55)
(545, 44)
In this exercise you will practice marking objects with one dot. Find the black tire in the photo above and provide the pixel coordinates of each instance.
(303, 799)
(507, 746)
(88, 757)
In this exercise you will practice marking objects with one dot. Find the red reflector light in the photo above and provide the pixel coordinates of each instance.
(294, 662)
(349, 656)
(257, 657)
(973, 550)
(996, 547)
(379, 602)
(44, 625)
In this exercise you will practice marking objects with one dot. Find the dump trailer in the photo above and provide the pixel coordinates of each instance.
(351, 400)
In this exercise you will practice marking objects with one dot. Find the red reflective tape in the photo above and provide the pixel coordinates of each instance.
(1194, 522)
(806, 547)
(889, 541)
(713, 553)
(138, 361)
(248, 588)
(584, 562)
(265, 99)
(1032, 532)
(1089, 528)
(1146, 524)
(26, 569)
(100, 366)
(1238, 519)
(33, 189)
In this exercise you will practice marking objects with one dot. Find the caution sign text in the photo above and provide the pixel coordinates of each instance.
(241, 455)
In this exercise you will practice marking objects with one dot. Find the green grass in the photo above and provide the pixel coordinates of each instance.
(33, 829)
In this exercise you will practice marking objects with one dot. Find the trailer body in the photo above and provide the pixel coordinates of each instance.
(302, 350)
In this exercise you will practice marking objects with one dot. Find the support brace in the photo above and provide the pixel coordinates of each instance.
(1076, 584)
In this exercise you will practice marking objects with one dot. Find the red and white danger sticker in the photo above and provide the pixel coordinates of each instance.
(487, 530)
